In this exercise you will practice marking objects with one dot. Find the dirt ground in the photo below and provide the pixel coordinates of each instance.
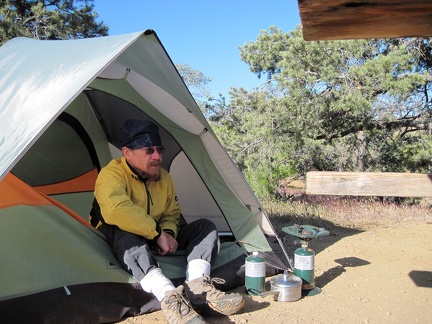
(382, 274)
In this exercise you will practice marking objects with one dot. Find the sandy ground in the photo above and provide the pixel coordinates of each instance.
(379, 275)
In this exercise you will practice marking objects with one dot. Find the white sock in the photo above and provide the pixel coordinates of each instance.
(197, 268)
(156, 283)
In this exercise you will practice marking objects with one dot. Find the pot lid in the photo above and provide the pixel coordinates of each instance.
(286, 280)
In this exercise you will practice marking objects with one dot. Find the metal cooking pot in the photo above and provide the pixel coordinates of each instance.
(285, 288)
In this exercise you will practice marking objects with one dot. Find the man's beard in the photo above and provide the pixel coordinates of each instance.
(152, 176)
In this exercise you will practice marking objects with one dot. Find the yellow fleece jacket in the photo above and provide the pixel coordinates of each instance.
(124, 200)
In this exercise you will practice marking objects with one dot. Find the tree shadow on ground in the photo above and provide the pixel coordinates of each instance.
(421, 278)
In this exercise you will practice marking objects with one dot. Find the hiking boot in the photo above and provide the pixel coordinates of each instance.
(208, 300)
(178, 310)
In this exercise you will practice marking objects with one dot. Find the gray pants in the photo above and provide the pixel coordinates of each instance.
(198, 239)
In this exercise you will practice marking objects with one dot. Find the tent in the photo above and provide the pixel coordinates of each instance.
(61, 107)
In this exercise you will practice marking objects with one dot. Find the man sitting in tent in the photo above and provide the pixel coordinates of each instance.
(137, 209)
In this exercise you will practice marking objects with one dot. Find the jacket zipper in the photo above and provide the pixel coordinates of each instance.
(149, 198)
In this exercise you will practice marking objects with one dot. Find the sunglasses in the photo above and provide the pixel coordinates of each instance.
(151, 150)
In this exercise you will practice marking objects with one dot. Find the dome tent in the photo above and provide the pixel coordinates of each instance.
(62, 105)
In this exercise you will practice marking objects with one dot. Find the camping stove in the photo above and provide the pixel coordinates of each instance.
(304, 256)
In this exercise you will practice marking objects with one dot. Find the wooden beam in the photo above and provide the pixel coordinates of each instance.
(354, 19)
(382, 184)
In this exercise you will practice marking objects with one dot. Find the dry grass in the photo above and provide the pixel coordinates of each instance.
(337, 213)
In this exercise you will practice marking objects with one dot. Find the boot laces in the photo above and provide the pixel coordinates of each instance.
(209, 284)
(179, 303)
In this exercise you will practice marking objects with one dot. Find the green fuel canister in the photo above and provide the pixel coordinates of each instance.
(255, 270)
(304, 259)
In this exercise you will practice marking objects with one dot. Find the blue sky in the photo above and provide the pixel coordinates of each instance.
(204, 34)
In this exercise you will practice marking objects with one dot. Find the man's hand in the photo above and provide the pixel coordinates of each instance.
(166, 243)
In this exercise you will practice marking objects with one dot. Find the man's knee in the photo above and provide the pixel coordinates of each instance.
(205, 224)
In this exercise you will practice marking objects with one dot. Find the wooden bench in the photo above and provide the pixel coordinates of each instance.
(390, 184)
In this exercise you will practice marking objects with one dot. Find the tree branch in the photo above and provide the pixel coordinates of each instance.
(392, 125)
